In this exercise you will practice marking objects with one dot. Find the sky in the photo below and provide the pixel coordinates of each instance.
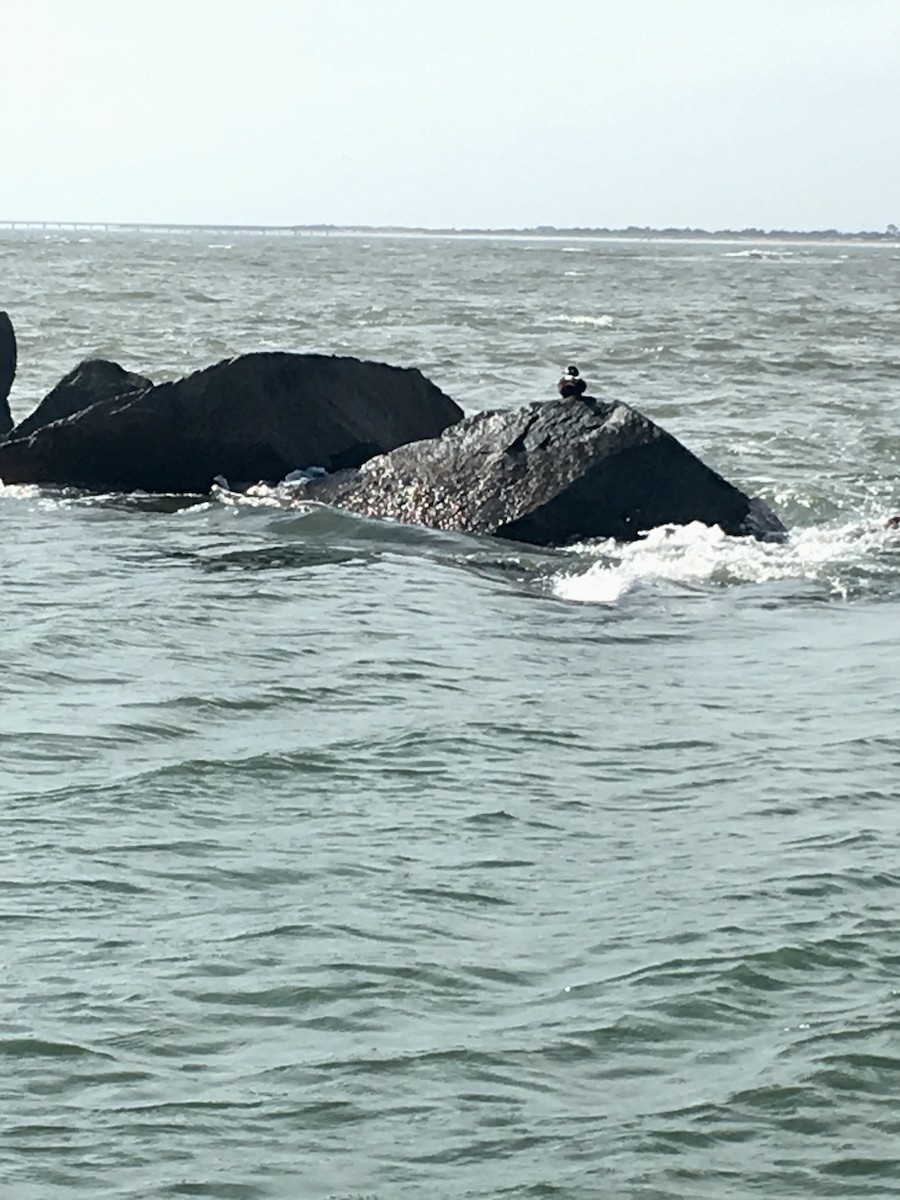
(713, 114)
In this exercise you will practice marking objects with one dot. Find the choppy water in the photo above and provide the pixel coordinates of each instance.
(342, 859)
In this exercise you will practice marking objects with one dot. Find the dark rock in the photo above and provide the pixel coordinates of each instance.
(91, 381)
(548, 474)
(250, 418)
(7, 371)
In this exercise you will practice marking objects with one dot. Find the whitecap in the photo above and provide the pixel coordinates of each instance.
(604, 321)
(755, 253)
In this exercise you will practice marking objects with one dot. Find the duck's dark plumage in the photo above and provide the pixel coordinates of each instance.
(571, 383)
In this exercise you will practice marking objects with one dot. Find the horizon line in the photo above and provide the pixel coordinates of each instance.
(891, 231)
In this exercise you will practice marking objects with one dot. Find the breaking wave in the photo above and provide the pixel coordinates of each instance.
(839, 559)
(775, 255)
(604, 321)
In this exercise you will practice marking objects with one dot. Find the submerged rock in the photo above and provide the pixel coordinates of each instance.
(7, 371)
(548, 474)
(256, 417)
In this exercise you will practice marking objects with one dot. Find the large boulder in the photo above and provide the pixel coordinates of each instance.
(547, 474)
(7, 371)
(93, 380)
(256, 417)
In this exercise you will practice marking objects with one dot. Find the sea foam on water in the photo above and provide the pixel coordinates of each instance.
(831, 555)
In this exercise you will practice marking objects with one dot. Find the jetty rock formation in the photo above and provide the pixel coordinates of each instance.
(255, 417)
(7, 371)
(387, 442)
(548, 474)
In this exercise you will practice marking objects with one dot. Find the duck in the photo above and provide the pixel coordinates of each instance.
(571, 383)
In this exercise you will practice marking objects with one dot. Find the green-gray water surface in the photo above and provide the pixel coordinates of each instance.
(343, 859)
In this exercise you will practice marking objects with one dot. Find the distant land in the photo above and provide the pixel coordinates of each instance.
(890, 234)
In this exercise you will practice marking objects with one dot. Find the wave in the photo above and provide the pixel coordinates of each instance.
(201, 297)
(840, 558)
(604, 321)
(770, 254)
(836, 558)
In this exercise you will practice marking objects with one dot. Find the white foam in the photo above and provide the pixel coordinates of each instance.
(773, 254)
(260, 495)
(699, 554)
(604, 321)
(264, 494)
(19, 491)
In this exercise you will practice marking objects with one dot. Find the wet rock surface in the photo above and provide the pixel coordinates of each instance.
(548, 474)
(382, 442)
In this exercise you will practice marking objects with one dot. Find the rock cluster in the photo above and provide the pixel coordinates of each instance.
(385, 443)
(249, 418)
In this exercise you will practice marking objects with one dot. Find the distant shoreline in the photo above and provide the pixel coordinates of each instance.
(631, 232)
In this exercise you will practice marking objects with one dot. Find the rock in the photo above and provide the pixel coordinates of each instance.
(256, 417)
(548, 474)
(91, 381)
(7, 371)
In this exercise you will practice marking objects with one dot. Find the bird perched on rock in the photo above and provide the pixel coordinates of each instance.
(571, 383)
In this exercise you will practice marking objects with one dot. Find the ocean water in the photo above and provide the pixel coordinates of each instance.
(342, 859)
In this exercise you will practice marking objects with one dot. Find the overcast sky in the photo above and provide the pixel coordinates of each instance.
(452, 113)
